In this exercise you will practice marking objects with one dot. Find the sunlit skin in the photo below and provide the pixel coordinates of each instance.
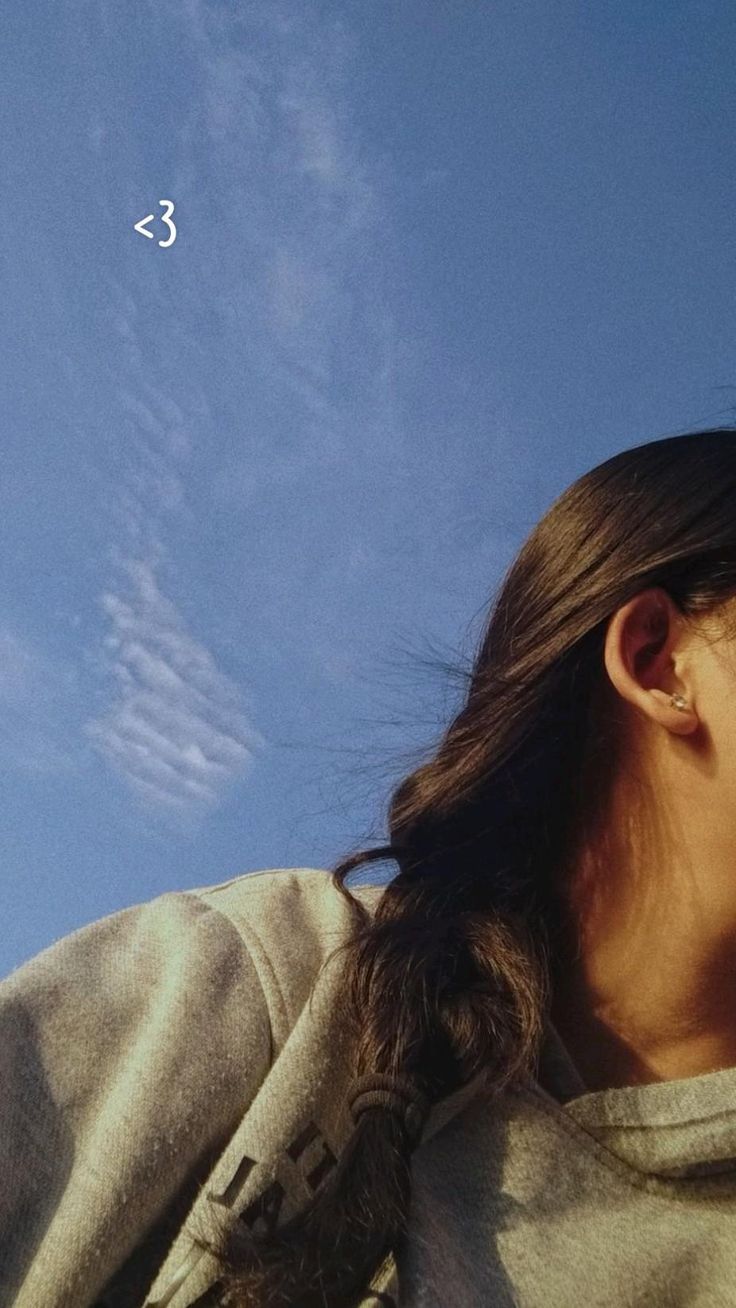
(652, 995)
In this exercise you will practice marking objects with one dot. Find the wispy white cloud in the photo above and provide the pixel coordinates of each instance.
(271, 169)
(175, 729)
(303, 209)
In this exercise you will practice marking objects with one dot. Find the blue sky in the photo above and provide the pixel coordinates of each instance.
(432, 262)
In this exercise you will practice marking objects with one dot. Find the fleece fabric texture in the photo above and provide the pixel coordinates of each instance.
(181, 1061)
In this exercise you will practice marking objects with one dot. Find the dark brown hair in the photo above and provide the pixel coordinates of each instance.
(466, 933)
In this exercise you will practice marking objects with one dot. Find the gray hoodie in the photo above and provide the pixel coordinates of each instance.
(181, 1061)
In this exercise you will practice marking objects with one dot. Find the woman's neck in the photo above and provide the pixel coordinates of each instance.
(631, 1034)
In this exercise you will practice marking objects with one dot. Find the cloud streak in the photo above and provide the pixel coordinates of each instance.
(175, 729)
(278, 212)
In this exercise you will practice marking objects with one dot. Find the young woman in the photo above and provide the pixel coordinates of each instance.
(506, 1077)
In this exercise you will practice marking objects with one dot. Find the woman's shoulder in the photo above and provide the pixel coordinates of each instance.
(291, 920)
(283, 881)
(292, 897)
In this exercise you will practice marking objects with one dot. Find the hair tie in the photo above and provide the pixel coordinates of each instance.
(397, 1094)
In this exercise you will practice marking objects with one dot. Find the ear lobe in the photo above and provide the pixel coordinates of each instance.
(682, 718)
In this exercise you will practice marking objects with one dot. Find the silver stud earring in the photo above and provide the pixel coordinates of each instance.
(678, 702)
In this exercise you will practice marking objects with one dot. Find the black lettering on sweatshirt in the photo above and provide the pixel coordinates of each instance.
(326, 1163)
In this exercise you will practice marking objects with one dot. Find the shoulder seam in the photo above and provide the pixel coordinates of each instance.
(252, 955)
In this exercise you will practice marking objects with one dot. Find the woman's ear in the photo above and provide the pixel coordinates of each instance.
(644, 641)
